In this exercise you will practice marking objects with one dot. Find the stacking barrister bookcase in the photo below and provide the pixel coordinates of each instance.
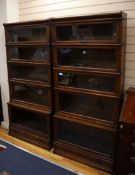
(88, 58)
(29, 71)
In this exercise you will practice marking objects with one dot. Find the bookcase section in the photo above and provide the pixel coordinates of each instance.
(30, 81)
(89, 76)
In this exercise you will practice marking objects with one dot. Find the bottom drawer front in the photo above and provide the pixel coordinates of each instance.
(84, 156)
(92, 138)
(30, 137)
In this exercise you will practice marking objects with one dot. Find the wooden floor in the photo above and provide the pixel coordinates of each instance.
(82, 169)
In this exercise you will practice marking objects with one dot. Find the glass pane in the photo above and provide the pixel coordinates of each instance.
(87, 57)
(28, 120)
(28, 53)
(89, 137)
(31, 94)
(97, 31)
(90, 106)
(27, 34)
(94, 82)
(35, 73)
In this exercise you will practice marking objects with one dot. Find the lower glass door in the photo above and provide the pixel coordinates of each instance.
(95, 139)
(30, 94)
(91, 106)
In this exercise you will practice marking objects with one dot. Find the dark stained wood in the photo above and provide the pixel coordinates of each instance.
(30, 81)
(27, 24)
(83, 91)
(30, 107)
(95, 17)
(86, 121)
(128, 110)
(126, 140)
(88, 52)
(83, 156)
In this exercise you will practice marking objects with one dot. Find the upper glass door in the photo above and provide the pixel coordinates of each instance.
(30, 53)
(97, 31)
(88, 57)
(37, 73)
(88, 106)
(96, 82)
(27, 35)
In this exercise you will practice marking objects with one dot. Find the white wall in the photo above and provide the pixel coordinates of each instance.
(8, 13)
(42, 9)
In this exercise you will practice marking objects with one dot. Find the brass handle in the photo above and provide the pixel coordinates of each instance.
(132, 159)
(133, 145)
